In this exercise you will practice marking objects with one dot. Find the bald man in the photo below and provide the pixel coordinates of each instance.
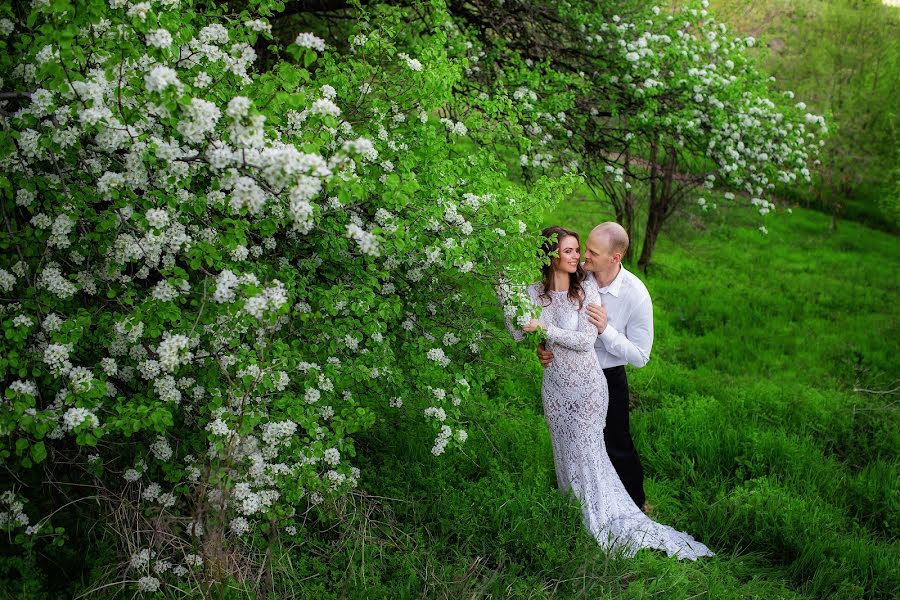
(625, 325)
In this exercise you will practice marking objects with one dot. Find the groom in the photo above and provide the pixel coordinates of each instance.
(626, 335)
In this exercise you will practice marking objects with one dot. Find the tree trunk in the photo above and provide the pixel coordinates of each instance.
(626, 219)
(627, 222)
(660, 195)
(654, 225)
(619, 209)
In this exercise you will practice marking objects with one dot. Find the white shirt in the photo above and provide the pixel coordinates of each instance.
(628, 336)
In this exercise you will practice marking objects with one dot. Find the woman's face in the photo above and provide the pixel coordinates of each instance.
(567, 262)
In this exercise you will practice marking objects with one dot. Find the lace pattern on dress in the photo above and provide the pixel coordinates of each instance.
(576, 398)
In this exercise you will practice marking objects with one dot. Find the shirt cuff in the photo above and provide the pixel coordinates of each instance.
(609, 334)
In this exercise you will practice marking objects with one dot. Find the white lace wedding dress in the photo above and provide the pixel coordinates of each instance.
(575, 403)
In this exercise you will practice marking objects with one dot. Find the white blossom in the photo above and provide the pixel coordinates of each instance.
(159, 38)
(438, 356)
(309, 40)
(332, 456)
(258, 25)
(7, 280)
(239, 526)
(412, 63)
(161, 449)
(324, 106)
(75, 416)
(157, 218)
(160, 77)
(368, 243)
(218, 427)
(147, 584)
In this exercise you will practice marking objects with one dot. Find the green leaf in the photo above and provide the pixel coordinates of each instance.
(21, 446)
(38, 452)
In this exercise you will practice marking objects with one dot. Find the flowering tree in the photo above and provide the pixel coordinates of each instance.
(702, 115)
(639, 96)
(213, 276)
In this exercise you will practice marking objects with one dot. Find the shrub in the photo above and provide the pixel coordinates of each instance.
(222, 274)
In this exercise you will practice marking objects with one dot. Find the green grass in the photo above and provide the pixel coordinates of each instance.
(752, 437)
(751, 433)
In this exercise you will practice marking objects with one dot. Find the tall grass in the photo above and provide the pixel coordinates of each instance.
(750, 418)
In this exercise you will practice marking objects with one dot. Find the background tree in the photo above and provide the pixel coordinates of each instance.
(638, 95)
(843, 59)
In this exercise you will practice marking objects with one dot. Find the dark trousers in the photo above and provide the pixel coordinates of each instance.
(617, 435)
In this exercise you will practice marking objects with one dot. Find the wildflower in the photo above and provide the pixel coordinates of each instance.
(148, 584)
(438, 356)
(159, 38)
(161, 449)
(308, 40)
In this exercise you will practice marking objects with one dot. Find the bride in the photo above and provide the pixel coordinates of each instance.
(575, 402)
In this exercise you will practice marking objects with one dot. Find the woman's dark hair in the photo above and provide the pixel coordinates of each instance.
(550, 246)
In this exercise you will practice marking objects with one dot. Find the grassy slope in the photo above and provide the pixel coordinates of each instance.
(746, 421)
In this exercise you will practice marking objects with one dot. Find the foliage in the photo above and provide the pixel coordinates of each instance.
(216, 277)
(747, 422)
(231, 293)
(648, 103)
(843, 58)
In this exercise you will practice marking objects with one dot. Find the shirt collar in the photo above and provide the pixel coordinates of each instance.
(615, 287)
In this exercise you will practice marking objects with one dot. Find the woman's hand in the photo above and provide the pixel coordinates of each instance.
(533, 325)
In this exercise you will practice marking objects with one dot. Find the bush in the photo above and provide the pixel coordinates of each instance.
(223, 275)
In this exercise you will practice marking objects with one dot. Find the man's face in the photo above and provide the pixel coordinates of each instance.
(597, 254)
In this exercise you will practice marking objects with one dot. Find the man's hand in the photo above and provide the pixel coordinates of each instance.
(545, 356)
(597, 316)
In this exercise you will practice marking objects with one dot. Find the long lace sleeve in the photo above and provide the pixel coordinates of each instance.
(583, 338)
(503, 294)
(516, 333)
